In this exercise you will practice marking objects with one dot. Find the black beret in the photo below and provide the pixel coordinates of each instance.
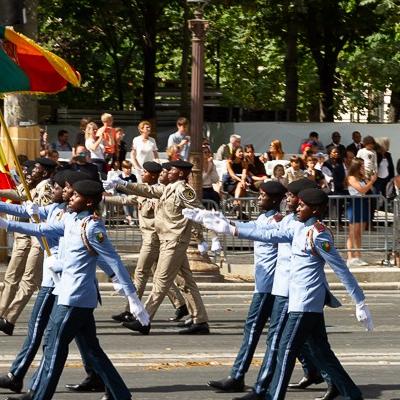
(314, 197)
(181, 164)
(59, 178)
(88, 188)
(46, 162)
(297, 186)
(166, 166)
(273, 188)
(152, 166)
(71, 176)
(29, 163)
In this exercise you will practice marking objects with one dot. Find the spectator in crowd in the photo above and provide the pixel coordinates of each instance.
(397, 181)
(181, 138)
(95, 144)
(278, 174)
(368, 154)
(235, 181)
(294, 172)
(357, 209)
(225, 151)
(127, 176)
(306, 151)
(81, 162)
(107, 133)
(256, 168)
(173, 153)
(314, 174)
(210, 176)
(80, 136)
(54, 155)
(122, 147)
(313, 137)
(385, 165)
(144, 148)
(348, 159)
(336, 143)
(321, 157)
(275, 151)
(357, 144)
(334, 172)
(44, 144)
(62, 141)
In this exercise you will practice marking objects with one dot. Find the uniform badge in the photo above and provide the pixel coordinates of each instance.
(188, 194)
(100, 237)
(326, 246)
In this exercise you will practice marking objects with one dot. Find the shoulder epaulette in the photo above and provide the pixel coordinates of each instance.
(319, 226)
(84, 237)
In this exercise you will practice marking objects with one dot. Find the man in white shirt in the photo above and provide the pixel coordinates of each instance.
(180, 138)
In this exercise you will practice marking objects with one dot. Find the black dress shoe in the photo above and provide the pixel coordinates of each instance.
(251, 396)
(6, 327)
(330, 394)
(186, 323)
(180, 312)
(8, 381)
(305, 382)
(125, 316)
(86, 386)
(228, 385)
(196, 329)
(137, 326)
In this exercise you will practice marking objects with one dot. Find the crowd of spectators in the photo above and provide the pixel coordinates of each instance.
(363, 167)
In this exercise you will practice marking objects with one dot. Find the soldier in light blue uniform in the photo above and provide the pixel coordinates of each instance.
(312, 246)
(269, 200)
(78, 292)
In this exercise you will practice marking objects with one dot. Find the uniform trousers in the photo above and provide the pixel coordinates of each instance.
(67, 323)
(147, 264)
(22, 277)
(173, 263)
(258, 314)
(299, 328)
(37, 324)
(277, 323)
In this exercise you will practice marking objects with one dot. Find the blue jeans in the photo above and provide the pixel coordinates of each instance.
(259, 312)
(300, 327)
(36, 327)
(66, 324)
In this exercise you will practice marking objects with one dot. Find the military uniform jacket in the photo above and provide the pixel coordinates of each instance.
(170, 224)
(78, 284)
(312, 246)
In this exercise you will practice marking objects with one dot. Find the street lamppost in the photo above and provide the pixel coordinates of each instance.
(198, 26)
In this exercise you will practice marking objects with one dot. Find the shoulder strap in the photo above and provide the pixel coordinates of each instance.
(84, 237)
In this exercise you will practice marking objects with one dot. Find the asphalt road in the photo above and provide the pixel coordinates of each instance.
(170, 366)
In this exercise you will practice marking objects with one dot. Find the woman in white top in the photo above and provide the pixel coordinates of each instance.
(144, 148)
(210, 176)
(94, 143)
(357, 209)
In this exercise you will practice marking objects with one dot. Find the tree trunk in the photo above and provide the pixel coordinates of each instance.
(184, 108)
(118, 83)
(326, 85)
(291, 75)
(18, 107)
(394, 112)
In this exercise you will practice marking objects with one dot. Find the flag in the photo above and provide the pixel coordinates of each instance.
(27, 67)
(6, 182)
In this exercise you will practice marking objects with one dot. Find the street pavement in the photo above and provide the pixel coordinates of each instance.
(165, 365)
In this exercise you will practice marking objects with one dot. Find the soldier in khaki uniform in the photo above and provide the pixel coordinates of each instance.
(150, 248)
(24, 271)
(174, 231)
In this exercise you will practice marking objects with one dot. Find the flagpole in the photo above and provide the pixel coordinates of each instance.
(21, 176)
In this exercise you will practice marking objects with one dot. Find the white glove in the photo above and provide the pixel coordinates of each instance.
(113, 182)
(50, 263)
(3, 224)
(219, 225)
(31, 208)
(117, 286)
(364, 315)
(215, 245)
(202, 247)
(138, 310)
(194, 214)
